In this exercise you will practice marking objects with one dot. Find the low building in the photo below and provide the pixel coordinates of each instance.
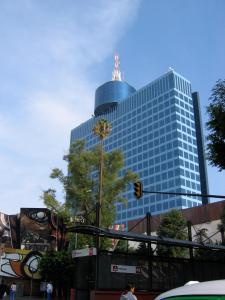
(205, 216)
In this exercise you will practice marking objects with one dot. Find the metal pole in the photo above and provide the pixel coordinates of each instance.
(148, 223)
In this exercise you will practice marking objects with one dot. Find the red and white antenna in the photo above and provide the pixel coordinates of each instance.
(116, 74)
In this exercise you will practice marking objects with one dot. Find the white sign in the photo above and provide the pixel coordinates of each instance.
(84, 252)
(125, 269)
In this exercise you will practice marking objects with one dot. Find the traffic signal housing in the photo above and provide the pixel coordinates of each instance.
(138, 189)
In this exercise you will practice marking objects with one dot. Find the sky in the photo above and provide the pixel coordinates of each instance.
(53, 56)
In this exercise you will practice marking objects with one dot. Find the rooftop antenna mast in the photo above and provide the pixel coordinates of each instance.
(116, 74)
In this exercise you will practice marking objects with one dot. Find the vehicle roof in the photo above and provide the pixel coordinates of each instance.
(215, 287)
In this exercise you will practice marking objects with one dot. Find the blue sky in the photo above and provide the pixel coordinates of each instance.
(54, 54)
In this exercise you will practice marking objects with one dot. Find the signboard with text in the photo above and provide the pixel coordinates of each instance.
(125, 269)
(84, 252)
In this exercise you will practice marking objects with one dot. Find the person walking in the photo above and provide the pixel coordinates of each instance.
(49, 290)
(12, 292)
(128, 294)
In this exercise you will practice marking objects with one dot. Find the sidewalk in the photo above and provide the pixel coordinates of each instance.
(25, 298)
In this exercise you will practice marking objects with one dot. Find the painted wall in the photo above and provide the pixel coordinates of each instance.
(17, 263)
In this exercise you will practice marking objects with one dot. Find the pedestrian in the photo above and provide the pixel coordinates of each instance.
(12, 292)
(49, 290)
(128, 294)
(3, 288)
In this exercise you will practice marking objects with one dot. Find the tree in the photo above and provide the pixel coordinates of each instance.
(172, 225)
(57, 266)
(81, 185)
(142, 248)
(221, 226)
(216, 126)
(102, 129)
(201, 237)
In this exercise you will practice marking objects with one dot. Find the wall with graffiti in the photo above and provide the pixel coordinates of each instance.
(36, 229)
(19, 263)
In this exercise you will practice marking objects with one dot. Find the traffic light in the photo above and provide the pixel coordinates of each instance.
(138, 189)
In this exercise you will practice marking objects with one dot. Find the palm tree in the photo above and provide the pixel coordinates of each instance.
(101, 129)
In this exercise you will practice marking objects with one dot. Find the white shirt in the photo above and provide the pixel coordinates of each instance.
(13, 287)
(49, 288)
(128, 296)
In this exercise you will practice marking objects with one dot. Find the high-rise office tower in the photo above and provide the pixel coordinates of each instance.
(158, 128)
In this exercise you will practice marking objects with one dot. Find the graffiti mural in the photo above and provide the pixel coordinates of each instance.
(36, 229)
(40, 230)
(19, 263)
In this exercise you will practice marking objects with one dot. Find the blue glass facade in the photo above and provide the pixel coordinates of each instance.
(108, 95)
(155, 128)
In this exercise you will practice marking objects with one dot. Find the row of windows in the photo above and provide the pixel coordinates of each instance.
(183, 106)
(182, 85)
(163, 109)
(136, 131)
(158, 163)
(168, 175)
(146, 110)
(156, 208)
(141, 137)
(184, 98)
(153, 90)
(150, 150)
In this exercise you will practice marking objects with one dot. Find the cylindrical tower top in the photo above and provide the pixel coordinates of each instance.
(110, 93)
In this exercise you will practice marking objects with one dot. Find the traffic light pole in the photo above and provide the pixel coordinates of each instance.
(184, 194)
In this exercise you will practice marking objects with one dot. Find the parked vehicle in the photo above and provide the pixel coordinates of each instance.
(194, 290)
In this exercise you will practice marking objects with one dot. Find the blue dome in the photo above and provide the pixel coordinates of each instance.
(109, 94)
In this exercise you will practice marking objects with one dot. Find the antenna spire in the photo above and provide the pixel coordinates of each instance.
(116, 74)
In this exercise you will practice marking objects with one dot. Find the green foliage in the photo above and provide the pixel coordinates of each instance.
(201, 237)
(122, 246)
(221, 225)
(216, 126)
(172, 225)
(62, 210)
(81, 187)
(57, 266)
(102, 129)
(142, 248)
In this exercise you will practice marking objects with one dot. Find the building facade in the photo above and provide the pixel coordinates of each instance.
(158, 128)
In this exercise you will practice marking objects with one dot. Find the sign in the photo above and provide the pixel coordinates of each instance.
(84, 252)
(125, 269)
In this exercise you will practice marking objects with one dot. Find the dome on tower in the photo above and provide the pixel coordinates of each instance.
(108, 95)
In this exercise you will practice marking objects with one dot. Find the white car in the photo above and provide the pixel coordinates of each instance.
(194, 290)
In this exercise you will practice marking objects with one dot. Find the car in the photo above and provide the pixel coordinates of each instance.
(194, 290)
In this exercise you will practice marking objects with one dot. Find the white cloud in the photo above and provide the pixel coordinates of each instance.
(47, 56)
